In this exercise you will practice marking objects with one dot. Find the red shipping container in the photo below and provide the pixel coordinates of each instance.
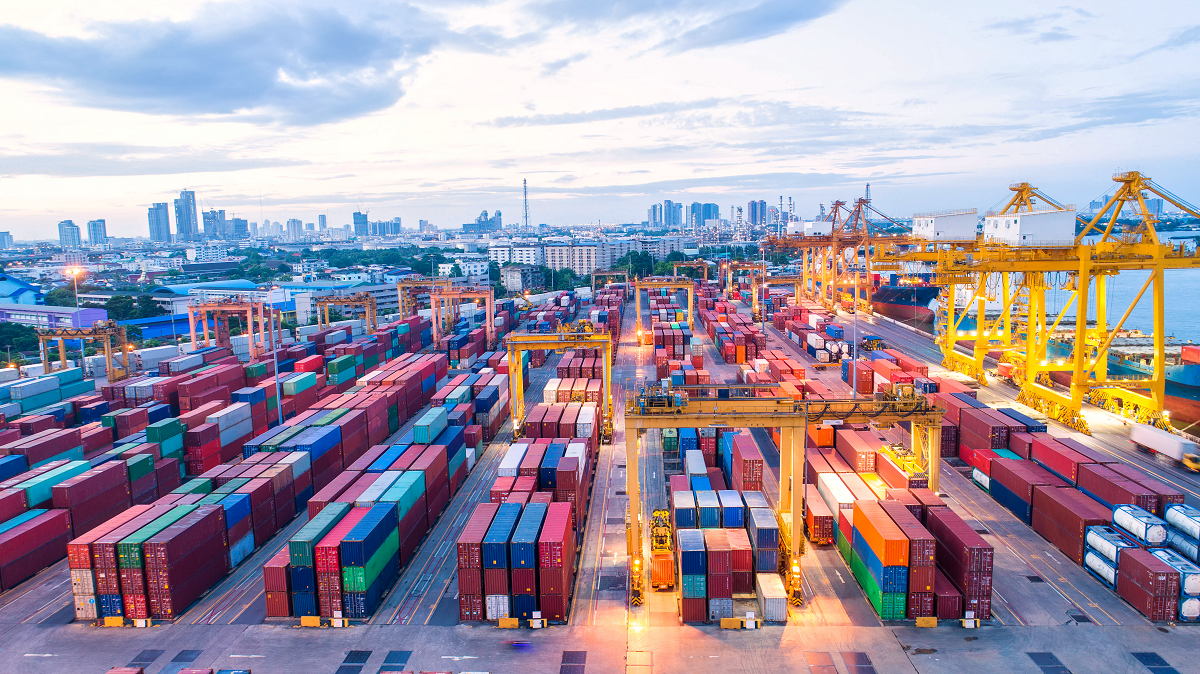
(1155, 607)
(1059, 458)
(554, 607)
(471, 538)
(1020, 477)
(719, 585)
(79, 550)
(948, 604)
(32, 546)
(495, 581)
(556, 542)
(1151, 574)
(693, 610)
(277, 572)
(1166, 494)
(719, 552)
(470, 607)
(960, 550)
(855, 450)
(1062, 515)
(279, 605)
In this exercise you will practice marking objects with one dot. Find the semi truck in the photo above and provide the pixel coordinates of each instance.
(1166, 444)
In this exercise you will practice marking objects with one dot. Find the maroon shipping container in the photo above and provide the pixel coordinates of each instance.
(104, 548)
(1093, 455)
(279, 604)
(693, 610)
(1157, 608)
(1150, 573)
(1063, 514)
(905, 498)
(747, 464)
(79, 549)
(719, 585)
(928, 500)
(471, 538)
(556, 543)
(90, 484)
(184, 560)
(495, 581)
(12, 503)
(743, 582)
(978, 607)
(1020, 444)
(554, 606)
(961, 551)
(370, 456)
(330, 492)
(555, 580)
(32, 546)
(470, 607)
(814, 465)
(1114, 488)
(1020, 477)
(1165, 494)
(920, 604)
(948, 604)
(523, 581)
(949, 439)
(817, 518)
(1059, 458)
(719, 553)
(978, 424)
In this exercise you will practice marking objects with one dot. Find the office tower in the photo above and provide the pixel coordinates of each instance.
(672, 214)
(710, 212)
(68, 235)
(295, 229)
(187, 226)
(309, 227)
(695, 216)
(321, 223)
(214, 224)
(97, 235)
(6, 240)
(397, 229)
(160, 223)
(654, 215)
(240, 229)
(361, 226)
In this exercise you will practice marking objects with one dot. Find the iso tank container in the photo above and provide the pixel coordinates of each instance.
(1141, 525)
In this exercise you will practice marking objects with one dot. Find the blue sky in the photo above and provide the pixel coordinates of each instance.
(439, 110)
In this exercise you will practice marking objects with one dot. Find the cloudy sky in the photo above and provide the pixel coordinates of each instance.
(439, 110)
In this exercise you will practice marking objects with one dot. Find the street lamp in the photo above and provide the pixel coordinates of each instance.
(275, 355)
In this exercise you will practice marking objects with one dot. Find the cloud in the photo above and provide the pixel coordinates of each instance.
(299, 66)
(1185, 38)
(1131, 108)
(767, 19)
(722, 23)
(554, 66)
(1033, 26)
(76, 160)
(604, 115)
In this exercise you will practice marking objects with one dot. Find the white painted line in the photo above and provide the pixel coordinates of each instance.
(247, 656)
(839, 575)
(460, 657)
(39, 655)
(1051, 557)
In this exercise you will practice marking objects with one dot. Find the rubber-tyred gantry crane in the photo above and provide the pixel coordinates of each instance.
(449, 299)
(668, 282)
(739, 406)
(558, 341)
(108, 333)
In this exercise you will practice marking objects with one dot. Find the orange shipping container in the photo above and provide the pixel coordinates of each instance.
(881, 533)
(740, 354)
(821, 435)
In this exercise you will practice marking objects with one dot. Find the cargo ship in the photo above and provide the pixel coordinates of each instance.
(908, 299)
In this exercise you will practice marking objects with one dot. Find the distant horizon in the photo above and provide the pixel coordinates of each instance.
(438, 111)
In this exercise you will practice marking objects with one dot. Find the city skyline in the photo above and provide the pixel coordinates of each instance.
(700, 108)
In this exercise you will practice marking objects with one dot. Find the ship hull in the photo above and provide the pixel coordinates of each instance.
(905, 313)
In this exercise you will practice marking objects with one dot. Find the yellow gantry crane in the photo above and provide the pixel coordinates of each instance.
(405, 288)
(694, 264)
(560, 341)
(596, 275)
(449, 298)
(736, 406)
(363, 301)
(107, 332)
(1025, 331)
(756, 269)
(669, 282)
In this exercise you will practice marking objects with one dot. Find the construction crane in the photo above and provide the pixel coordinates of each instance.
(739, 406)
(670, 283)
(363, 301)
(1019, 276)
(260, 320)
(108, 333)
(694, 264)
(527, 341)
(451, 299)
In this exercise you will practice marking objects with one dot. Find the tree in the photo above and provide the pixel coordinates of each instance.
(456, 271)
(120, 308)
(17, 337)
(639, 264)
(148, 308)
(564, 279)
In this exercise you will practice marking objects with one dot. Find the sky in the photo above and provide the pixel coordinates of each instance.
(439, 110)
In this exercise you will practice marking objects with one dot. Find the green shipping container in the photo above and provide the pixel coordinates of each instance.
(77, 388)
(39, 489)
(884, 603)
(256, 369)
(358, 578)
(161, 430)
(232, 485)
(139, 465)
(332, 416)
(272, 444)
(75, 454)
(340, 364)
(40, 400)
(843, 546)
(110, 419)
(129, 549)
(300, 547)
(405, 491)
(299, 383)
(195, 486)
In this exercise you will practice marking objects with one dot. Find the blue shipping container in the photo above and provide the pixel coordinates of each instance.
(755, 499)
(700, 483)
(708, 510)
(685, 509)
(304, 579)
(370, 533)
(693, 559)
(495, 543)
(763, 529)
(522, 551)
(732, 511)
(548, 474)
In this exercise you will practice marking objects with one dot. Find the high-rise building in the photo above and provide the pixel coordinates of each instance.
(214, 224)
(361, 226)
(295, 229)
(187, 225)
(426, 227)
(160, 223)
(97, 234)
(695, 215)
(756, 213)
(240, 228)
(6, 240)
(322, 223)
(68, 235)
(483, 224)
(710, 212)
(654, 215)
(310, 227)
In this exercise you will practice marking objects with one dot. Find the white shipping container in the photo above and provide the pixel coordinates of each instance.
(824, 357)
(1189, 573)
(233, 433)
(335, 337)
(10, 410)
(377, 488)
(834, 492)
(816, 341)
(693, 460)
(32, 387)
(230, 416)
(981, 478)
(585, 423)
(186, 363)
(1189, 609)
(1101, 545)
(470, 458)
(11, 373)
(719, 608)
(301, 462)
(83, 581)
(85, 607)
(496, 606)
(772, 598)
(510, 465)
(550, 393)
(578, 450)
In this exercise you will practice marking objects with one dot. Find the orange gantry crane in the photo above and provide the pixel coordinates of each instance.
(260, 321)
(449, 299)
